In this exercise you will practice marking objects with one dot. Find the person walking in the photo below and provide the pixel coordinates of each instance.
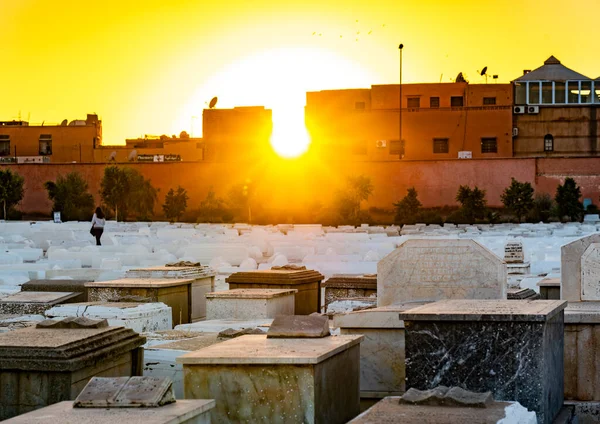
(98, 222)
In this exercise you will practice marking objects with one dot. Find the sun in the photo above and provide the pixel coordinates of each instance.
(279, 79)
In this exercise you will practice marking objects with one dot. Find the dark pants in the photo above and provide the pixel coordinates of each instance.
(98, 233)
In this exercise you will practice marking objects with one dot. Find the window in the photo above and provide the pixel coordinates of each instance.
(489, 100)
(4, 145)
(489, 145)
(534, 93)
(440, 145)
(396, 147)
(586, 92)
(45, 144)
(547, 92)
(414, 102)
(520, 93)
(548, 143)
(559, 92)
(434, 102)
(359, 105)
(573, 91)
(456, 101)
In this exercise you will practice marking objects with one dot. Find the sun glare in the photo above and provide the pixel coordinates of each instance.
(279, 79)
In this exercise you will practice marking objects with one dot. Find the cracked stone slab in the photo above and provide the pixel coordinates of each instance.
(126, 392)
(299, 326)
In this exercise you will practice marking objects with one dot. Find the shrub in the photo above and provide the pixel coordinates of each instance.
(518, 198)
(567, 200)
(541, 209)
(407, 209)
(473, 203)
(70, 197)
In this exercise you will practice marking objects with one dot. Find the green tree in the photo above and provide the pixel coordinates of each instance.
(407, 209)
(347, 201)
(175, 203)
(567, 200)
(125, 190)
(542, 208)
(11, 190)
(518, 197)
(70, 197)
(473, 203)
(213, 209)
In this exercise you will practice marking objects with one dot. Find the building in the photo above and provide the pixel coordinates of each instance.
(154, 149)
(238, 134)
(556, 112)
(73, 141)
(438, 121)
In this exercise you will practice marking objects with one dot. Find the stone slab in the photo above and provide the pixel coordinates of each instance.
(171, 272)
(486, 310)
(275, 277)
(30, 302)
(582, 313)
(251, 293)
(182, 411)
(141, 282)
(390, 410)
(125, 392)
(430, 270)
(58, 286)
(521, 294)
(590, 273)
(218, 325)
(513, 252)
(299, 326)
(570, 268)
(257, 349)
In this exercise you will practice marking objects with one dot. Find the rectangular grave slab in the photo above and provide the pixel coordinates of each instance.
(427, 270)
(571, 255)
(140, 317)
(513, 252)
(255, 379)
(549, 288)
(382, 369)
(514, 349)
(42, 366)
(349, 286)
(203, 277)
(307, 282)
(182, 411)
(250, 303)
(173, 292)
(32, 303)
(75, 286)
(590, 273)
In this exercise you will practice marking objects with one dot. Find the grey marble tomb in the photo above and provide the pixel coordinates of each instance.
(513, 349)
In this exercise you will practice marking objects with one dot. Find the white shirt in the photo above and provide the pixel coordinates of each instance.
(98, 222)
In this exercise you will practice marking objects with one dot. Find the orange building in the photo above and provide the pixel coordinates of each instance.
(66, 142)
(153, 149)
(439, 121)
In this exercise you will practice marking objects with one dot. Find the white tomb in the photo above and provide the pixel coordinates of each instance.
(250, 303)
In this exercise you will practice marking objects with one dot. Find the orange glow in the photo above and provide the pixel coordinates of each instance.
(149, 68)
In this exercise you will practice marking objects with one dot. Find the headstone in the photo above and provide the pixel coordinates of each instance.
(57, 218)
(249, 303)
(31, 303)
(42, 366)
(590, 273)
(430, 270)
(513, 252)
(307, 282)
(299, 326)
(443, 405)
(549, 289)
(570, 269)
(515, 349)
(282, 380)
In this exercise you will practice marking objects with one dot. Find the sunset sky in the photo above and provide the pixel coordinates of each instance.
(150, 67)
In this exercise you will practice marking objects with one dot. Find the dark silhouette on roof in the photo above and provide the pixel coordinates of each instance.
(552, 70)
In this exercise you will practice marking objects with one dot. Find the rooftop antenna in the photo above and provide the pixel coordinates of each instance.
(213, 102)
(484, 73)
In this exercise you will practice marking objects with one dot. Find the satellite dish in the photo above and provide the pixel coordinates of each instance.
(484, 71)
(64, 123)
(132, 156)
(112, 156)
(213, 102)
(460, 78)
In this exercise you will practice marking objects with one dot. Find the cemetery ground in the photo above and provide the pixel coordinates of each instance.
(300, 323)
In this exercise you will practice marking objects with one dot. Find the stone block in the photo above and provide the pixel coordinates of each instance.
(590, 273)
(74, 286)
(32, 303)
(430, 270)
(515, 349)
(42, 366)
(549, 288)
(349, 286)
(182, 411)
(250, 303)
(255, 379)
(140, 317)
(307, 282)
(513, 252)
(570, 269)
(174, 293)
(126, 392)
(299, 326)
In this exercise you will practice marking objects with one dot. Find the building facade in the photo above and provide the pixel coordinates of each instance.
(437, 121)
(153, 149)
(72, 141)
(556, 112)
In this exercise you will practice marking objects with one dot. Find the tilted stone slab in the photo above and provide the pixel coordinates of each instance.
(124, 392)
(299, 326)
(30, 302)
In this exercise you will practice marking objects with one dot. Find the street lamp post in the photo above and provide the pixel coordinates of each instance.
(400, 47)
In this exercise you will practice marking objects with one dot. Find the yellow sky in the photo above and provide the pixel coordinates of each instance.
(149, 67)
